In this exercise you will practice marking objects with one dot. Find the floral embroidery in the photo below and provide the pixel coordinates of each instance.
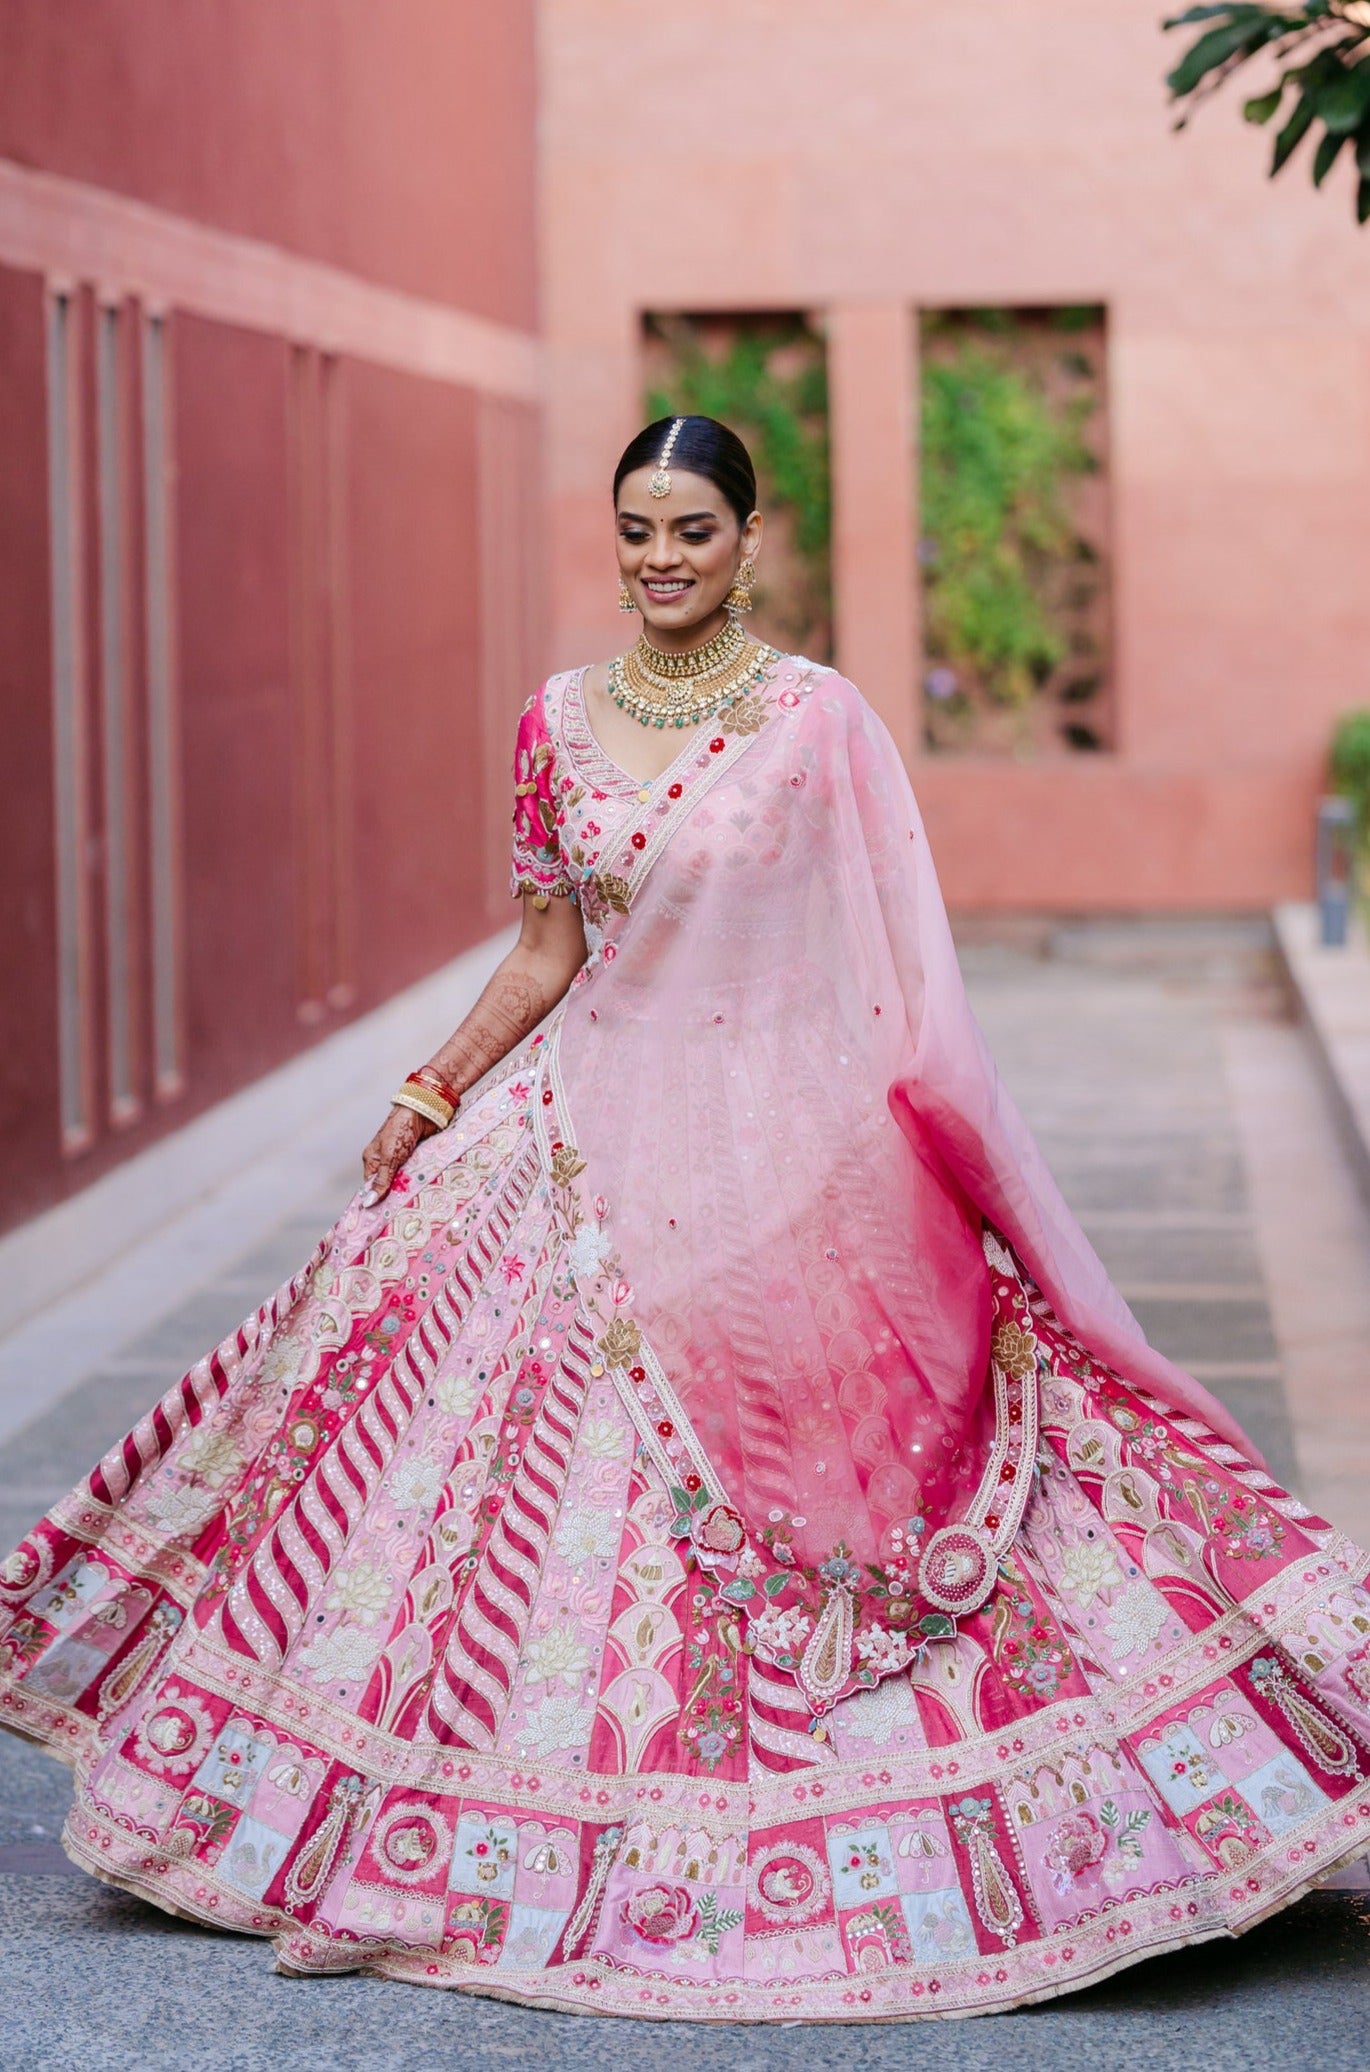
(719, 1531)
(746, 715)
(1126, 1829)
(566, 1163)
(479, 1924)
(661, 1914)
(1135, 1618)
(881, 1652)
(1074, 1849)
(488, 1854)
(1244, 1528)
(343, 1656)
(1088, 1567)
(712, 1722)
(1014, 1349)
(1248, 1531)
(364, 1591)
(557, 1656)
(780, 1631)
(865, 1863)
(621, 1342)
(1029, 1649)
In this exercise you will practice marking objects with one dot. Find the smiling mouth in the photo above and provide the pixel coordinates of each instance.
(666, 590)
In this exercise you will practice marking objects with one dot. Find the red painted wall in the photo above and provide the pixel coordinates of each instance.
(232, 546)
(352, 614)
(28, 977)
(414, 639)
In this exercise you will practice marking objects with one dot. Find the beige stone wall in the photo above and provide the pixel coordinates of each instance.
(864, 161)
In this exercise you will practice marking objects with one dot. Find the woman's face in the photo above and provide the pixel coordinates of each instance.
(678, 554)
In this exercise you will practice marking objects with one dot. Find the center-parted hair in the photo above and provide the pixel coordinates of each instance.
(703, 446)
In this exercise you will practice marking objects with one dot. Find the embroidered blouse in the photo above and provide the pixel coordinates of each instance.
(537, 860)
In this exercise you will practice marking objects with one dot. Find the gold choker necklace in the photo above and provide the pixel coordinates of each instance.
(680, 687)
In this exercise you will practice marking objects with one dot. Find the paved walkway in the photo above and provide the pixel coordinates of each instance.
(1183, 1117)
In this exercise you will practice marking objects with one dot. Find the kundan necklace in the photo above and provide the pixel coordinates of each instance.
(661, 688)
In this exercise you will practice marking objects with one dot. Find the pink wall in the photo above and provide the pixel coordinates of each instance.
(390, 140)
(861, 162)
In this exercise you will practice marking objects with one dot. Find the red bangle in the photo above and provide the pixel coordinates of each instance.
(429, 1075)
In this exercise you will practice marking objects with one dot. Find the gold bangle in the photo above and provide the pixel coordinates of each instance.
(439, 1094)
(414, 1085)
(423, 1101)
(420, 1102)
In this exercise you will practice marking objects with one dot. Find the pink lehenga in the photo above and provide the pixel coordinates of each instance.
(712, 1543)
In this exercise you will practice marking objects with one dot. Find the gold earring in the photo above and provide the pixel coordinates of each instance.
(625, 597)
(739, 598)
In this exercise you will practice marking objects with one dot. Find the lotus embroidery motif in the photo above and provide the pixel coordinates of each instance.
(621, 1342)
(566, 1163)
(1014, 1349)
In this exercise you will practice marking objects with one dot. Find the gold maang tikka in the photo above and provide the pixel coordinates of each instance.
(660, 484)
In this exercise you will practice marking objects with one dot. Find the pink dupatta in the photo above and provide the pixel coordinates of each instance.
(799, 1199)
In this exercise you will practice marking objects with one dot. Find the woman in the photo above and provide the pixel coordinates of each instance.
(702, 1537)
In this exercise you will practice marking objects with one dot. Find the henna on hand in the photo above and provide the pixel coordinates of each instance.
(525, 988)
(397, 1139)
(512, 1004)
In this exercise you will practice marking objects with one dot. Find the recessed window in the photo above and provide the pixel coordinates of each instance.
(1013, 530)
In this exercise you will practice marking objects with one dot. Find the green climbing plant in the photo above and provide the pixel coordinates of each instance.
(770, 384)
(1350, 773)
(997, 456)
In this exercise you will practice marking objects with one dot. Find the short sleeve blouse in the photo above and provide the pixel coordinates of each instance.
(537, 862)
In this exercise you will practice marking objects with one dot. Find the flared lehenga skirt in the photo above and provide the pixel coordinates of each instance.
(377, 1637)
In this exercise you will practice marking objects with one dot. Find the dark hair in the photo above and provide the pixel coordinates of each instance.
(703, 446)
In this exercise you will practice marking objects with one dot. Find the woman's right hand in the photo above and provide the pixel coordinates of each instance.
(397, 1139)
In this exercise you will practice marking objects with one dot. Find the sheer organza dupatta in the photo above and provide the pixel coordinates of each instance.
(777, 1137)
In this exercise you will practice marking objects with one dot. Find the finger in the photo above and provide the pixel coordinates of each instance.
(381, 1179)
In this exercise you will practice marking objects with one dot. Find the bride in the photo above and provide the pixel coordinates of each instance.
(702, 1537)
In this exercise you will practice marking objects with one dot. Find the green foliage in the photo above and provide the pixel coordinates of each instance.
(1350, 770)
(996, 457)
(783, 415)
(1327, 85)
